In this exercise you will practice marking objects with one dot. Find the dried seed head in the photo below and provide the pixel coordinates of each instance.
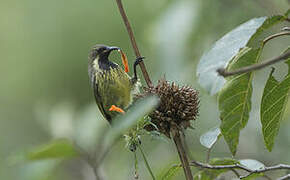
(178, 106)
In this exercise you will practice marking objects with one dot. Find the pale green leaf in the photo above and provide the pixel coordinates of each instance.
(209, 138)
(273, 105)
(222, 52)
(252, 164)
(132, 116)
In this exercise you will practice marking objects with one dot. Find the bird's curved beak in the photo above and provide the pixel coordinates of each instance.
(113, 48)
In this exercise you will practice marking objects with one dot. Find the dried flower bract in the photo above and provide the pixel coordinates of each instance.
(178, 106)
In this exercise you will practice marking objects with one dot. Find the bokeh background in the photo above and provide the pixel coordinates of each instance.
(45, 92)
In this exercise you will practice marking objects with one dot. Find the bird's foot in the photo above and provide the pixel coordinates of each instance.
(137, 62)
(116, 109)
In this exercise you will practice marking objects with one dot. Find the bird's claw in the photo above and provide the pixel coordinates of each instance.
(137, 62)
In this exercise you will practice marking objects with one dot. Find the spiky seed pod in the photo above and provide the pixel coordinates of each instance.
(178, 106)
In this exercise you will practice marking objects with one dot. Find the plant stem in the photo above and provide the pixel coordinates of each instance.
(284, 177)
(133, 42)
(254, 67)
(146, 163)
(182, 154)
(136, 166)
(275, 35)
(224, 73)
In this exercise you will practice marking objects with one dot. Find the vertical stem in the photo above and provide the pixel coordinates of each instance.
(133, 42)
(146, 163)
(182, 154)
(136, 166)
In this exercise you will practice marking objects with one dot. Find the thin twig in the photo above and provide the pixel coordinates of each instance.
(133, 42)
(146, 163)
(238, 166)
(182, 154)
(276, 35)
(136, 175)
(224, 73)
(254, 67)
(284, 177)
(208, 155)
(208, 166)
(271, 168)
(285, 29)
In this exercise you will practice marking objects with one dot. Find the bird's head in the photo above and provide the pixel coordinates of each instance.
(101, 52)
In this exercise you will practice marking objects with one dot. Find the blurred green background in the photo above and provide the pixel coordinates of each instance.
(45, 92)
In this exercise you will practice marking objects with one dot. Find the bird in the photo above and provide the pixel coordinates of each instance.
(113, 88)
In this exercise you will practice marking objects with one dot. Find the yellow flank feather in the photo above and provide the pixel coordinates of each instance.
(115, 88)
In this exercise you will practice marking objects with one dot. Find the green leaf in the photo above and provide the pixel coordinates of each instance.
(61, 148)
(287, 13)
(252, 164)
(208, 174)
(224, 161)
(235, 98)
(56, 149)
(222, 52)
(273, 105)
(209, 138)
(125, 122)
(171, 172)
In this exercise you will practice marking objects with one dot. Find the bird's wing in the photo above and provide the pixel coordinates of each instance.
(99, 101)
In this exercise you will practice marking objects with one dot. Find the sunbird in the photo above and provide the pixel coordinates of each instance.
(113, 88)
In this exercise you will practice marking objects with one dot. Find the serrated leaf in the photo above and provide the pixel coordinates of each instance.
(61, 148)
(252, 164)
(222, 52)
(207, 174)
(235, 98)
(274, 101)
(125, 122)
(209, 138)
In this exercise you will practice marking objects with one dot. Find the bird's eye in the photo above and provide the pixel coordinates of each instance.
(102, 49)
